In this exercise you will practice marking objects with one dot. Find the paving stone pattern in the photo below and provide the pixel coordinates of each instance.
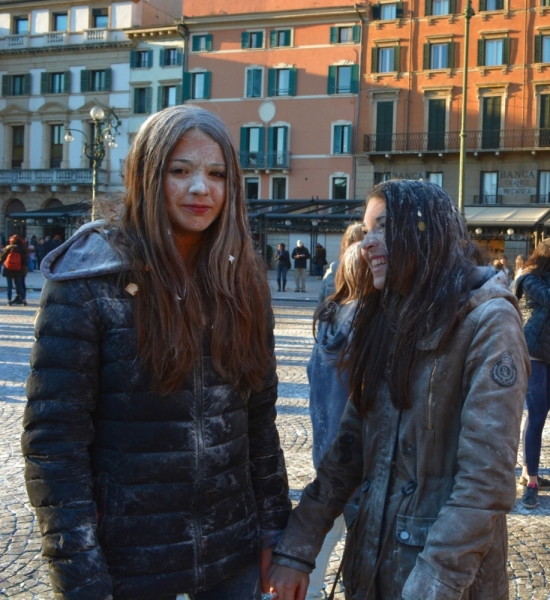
(23, 573)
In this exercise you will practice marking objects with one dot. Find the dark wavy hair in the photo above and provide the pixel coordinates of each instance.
(430, 261)
(539, 262)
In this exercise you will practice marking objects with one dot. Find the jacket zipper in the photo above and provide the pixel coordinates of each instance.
(199, 407)
(430, 397)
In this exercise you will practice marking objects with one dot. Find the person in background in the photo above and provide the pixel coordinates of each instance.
(438, 370)
(352, 234)
(534, 284)
(520, 261)
(329, 391)
(14, 261)
(507, 269)
(151, 451)
(300, 254)
(40, 251)
(319, 260)
(32, 257)
(282, 258)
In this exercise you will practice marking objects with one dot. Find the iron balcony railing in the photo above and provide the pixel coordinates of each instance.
(50, 177)
(449, 141)
(540, 199)
(488, 199)
(265, 160)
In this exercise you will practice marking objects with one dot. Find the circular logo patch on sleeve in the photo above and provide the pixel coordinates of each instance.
(504, 371)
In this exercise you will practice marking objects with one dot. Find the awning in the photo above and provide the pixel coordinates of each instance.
(506, 215)
(67, 210)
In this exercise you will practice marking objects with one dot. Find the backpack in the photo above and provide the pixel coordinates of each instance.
(13, 261)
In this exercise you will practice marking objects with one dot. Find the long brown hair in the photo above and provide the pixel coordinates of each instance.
(431, 256)
(174, 308)
(539, 262)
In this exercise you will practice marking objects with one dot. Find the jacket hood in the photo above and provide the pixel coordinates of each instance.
(87, 253)
(332, 334)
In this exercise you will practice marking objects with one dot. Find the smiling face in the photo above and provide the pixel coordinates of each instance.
(373, 246)
(194, 188)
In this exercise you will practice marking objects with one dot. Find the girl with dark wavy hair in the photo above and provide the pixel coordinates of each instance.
(151, 449)
(438, 368)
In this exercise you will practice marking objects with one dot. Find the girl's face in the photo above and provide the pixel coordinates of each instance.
(373, 246)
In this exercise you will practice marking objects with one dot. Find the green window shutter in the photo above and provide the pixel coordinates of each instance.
(271, 82)
(245, 40)
(249, 83)
(544, 111)
(374, 66)
(334, 35)
(270, 139)
(160, 103)
(187, 82)
(27, 84)
(506, 51)
(384, 118)
(260, 39)
(376, 12)
(149, 58)
(482, 5)
(332, 71)
(5, 85)
(273, 39)
(292, 81)
(195, 43)
(67, 82)
(538, 48)
(354, 89)
(337, 136)
(285, 143)
(133, 59)
(500, 4)
(179, 95)
(426, 57)
(244, 139)
(108, 79)
(287, 37)
(347, 146)
(480, 53)
(261, 142)
(399, 10)
(450, 55)
(436, 116)
(208, 42)
(44, 83)
(207, 84)
(179, 56)
(84, 81)
(162, 57)
(148, 99)
(356, 34)
(452, 7)
(136, 93)
(396, 58)
(428, 8)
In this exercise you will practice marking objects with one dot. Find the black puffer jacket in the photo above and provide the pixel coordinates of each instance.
(138, 495)
(537, 327)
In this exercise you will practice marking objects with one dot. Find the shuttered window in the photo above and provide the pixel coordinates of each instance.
(384, 126)
(490, 136)
(252, 39)
(343, 79)
(281, 82)
(544, 120)
(95, 81)
(341, 139)
(280, 38)
(436, 124)
(254, 83)
(201, 43)
(252, 154)
(143, 100)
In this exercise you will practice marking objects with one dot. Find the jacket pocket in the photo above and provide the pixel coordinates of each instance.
(412, 531)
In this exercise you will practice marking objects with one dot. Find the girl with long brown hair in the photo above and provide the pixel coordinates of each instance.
(151, 449)
(438, 368)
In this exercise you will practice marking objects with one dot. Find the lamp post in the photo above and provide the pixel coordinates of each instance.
(468, 14)
(104, 134)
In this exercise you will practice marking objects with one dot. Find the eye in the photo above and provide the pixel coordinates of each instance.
(175, 170)
(218, 174)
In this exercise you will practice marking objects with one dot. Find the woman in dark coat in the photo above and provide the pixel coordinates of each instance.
(15, 271)
(151, 451)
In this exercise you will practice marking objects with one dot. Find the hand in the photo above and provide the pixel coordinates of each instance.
(265, 564)
(288, 583)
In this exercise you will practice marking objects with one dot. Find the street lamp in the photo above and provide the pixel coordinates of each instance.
(104, 134)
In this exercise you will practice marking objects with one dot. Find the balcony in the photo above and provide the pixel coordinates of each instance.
(277, 160)
(17, 41)
(55, 38)
(96, 35)
(39, 177)
(488, 199)
(265, 160)
(540, 199)
(252, 160)
(449, 141)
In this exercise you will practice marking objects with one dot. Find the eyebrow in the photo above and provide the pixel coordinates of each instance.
(190, 162)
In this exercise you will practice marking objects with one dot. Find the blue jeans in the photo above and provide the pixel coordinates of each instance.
(538, 405)
(19, 287)
(281, 273)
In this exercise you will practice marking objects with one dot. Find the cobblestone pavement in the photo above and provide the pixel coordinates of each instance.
(23, 574)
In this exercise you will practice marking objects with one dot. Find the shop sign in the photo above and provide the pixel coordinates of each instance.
(414, 175)
(517, 183)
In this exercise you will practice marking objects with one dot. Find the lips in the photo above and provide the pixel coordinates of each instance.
(197, 209)
(377, 262)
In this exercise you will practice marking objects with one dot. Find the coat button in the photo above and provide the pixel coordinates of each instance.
(405, 535)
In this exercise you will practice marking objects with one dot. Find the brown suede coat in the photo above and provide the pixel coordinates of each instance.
(437, 480)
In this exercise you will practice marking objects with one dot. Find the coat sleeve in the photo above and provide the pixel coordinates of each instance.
(338, 476)
(62, 391)
(267, 463)
(494, 386)
(537, 289)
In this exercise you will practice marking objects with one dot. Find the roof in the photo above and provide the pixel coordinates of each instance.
(506, 215)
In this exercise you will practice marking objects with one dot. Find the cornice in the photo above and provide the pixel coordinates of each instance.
(64, 49)
(141, 32)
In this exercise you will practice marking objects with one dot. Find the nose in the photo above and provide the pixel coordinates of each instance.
(198, 185)
(369, 241)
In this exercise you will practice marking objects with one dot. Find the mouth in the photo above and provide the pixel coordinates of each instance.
(197, 209)
(377, 262)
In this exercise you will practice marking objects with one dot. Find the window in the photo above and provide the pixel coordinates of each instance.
(201, 43)
(280, 38)
(252, 39)
(17, 146)
(491, 115)
(20, 25)
(196, 86)
(59, 22)
(339, 188)
(16, 85)
(251, 188)
(436, 178)
(386, 12)
(253, 83)
(349, 34)
(100, 18)
(341, 139)
(95, 81)
(440, 7)
(343, 79)
(491, 5)
(437, 113)
(56, 146)
(278, 188)
(55, 83)
(544, 120)
(384, 126)
(141, 59)
(544, 187)
(142, 100)
(169, 95)
(277, 147)
(491, 53)
(542, 48)
(439, 56)
(170, 57)
(252, 147)
(489, 187)
(281, 82)
(98, 81)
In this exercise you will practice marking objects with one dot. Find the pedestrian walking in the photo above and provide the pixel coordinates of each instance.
(151, 452)
(300, 254)
(329, 392)
(533, 290)
(40, 251)
(438, 370)
(282, 258)
(319, 260)
(14, 261)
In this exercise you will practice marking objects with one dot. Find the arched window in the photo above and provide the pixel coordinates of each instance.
(15, 206)
(53, 203)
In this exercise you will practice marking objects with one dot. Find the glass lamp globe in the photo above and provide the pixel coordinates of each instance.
(69, 137)
(97, 113)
